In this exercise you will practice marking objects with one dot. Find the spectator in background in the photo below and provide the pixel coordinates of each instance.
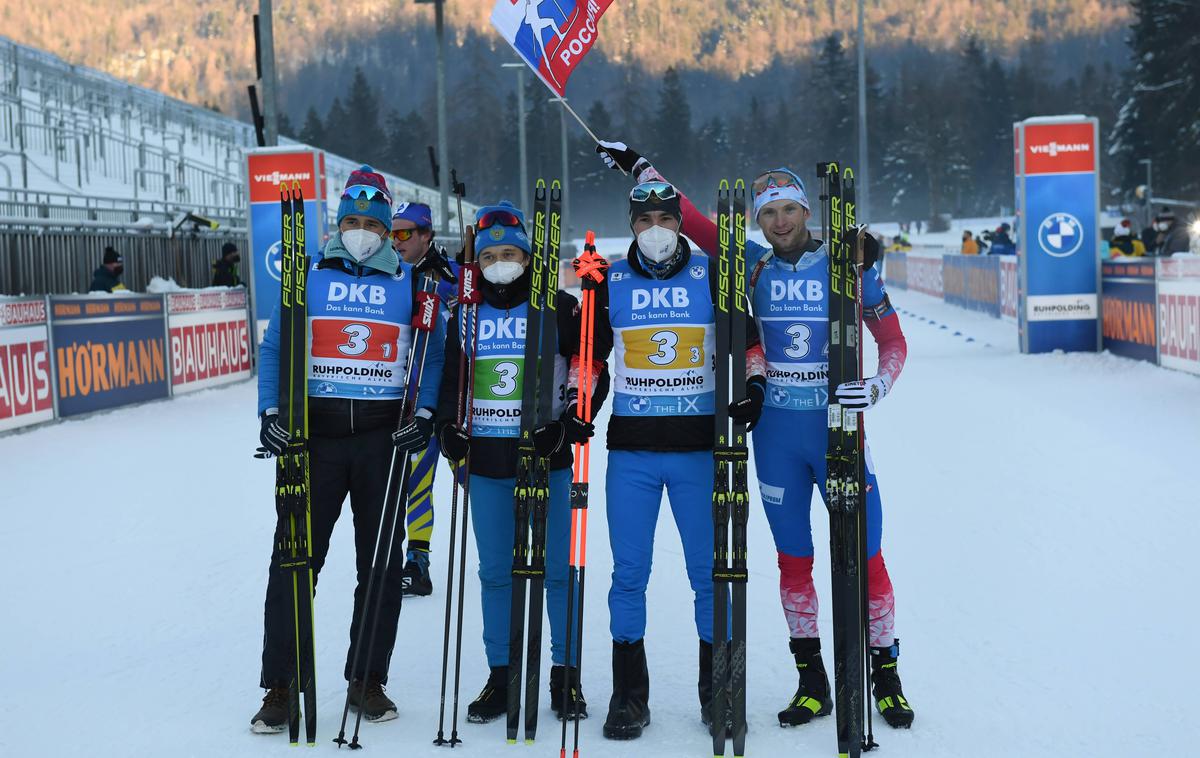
(969, 245)
(1123, 243)
(225, 268)
(1173, 236)
(1002, 243)
(107, 278)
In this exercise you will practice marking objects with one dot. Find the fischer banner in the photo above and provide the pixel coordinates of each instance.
(266, 169)
(1058, 179)
(108, 351)
(26, 384)
(210, 338)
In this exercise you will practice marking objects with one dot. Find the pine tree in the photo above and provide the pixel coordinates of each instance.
(339, 130)
(672, 128)
(362, 110)
(313, 131)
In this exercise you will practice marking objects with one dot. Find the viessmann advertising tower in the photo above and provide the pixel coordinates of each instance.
(1058, 201)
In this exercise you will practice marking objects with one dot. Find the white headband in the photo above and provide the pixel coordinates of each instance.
(771, 194)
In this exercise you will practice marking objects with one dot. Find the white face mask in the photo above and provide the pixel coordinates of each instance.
(503, 272)
(1162, 226)
(361, 244)
(658, 243)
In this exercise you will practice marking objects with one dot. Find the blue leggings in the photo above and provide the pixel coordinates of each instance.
(634, 483)
(492, 521)
(789, 454)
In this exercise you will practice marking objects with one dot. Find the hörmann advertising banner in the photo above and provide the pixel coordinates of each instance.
(26, 391)
(1060, 233)
(210, 338)
(108, 351)
(266, 169)
(972, 281)
(1128, 308)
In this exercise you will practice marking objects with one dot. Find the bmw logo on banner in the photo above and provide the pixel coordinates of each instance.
(1058, 233)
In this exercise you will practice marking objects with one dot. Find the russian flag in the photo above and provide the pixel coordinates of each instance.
(551, 36)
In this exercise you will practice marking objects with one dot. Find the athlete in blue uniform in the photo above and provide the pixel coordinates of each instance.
(786, 407)
(360, 305)
(496, 367)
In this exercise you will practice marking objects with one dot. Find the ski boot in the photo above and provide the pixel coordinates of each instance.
(272, 718)
(812, 696)
(577, 705)
(371, 700)
(416, 580)
(889, 697)
(492, 702)
(629, 708)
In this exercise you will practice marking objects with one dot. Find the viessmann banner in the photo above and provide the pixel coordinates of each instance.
(1058, 178)
(108, 351)
(26, 392)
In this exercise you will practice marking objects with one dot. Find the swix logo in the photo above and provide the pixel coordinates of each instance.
(275, 177)
(505, 328)
(1054, 148)
(660, 297)
(468, 289)
(357, 293)
(426, 312)
(803, 290)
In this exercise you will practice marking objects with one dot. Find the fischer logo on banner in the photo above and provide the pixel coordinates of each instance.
(552, 36)
(1061, 307)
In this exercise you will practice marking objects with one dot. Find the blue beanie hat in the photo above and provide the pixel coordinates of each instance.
(499, 234)
(366, 194)
(418, 213)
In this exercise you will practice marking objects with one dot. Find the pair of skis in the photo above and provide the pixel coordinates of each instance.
(590, 269)
(531, 494)
(731, 500)
(293, 546)
(845, 462)
(469, 298)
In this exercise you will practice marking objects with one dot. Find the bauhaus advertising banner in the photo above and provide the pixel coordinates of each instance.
(1059, 231)
(26, 390)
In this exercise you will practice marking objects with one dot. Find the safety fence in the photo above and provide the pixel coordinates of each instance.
(1149, 307)
(67, 355)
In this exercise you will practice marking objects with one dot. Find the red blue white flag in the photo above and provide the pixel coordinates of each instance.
(552, 36)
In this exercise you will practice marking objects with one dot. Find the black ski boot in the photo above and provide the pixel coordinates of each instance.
(629, 708)
(272, 718)
(492, 702)
(889, 698)
(812, 696)
(416, 580)
(371, 700)
(577, 703)
(704, 687)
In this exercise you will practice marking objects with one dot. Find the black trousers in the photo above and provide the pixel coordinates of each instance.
(356, 465)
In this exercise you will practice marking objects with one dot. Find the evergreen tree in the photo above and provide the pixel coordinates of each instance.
(672, 127)
(339, 130)
(366, 137)
(285, 126)
(313, 131)
(833, 122)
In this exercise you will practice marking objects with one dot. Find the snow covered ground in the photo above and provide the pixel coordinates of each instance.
(1039, 515)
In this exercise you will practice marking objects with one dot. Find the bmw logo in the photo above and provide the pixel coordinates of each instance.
(274, 260)
(779, 396)
(325, 388)
(1060, 235)
(639, 404)
(697, 272)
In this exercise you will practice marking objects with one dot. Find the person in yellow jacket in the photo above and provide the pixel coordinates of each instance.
(969, 245)
(1123, 243)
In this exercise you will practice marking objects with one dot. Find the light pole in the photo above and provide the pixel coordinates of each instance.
(523, 194)
(566, 165)
(864, 183)
(269, 82)
(1149, 164)
(443, 150)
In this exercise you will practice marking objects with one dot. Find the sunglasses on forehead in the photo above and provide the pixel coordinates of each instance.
(365, 190)
(644, 191)
(775, 178)
(498, 218)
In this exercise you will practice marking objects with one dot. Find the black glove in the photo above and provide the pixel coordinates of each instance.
(748, 409)
(456, 443)
(414, 435)
(568, 429)
(870, 250)
(618, 155)
(273, 437)
(436, 264)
